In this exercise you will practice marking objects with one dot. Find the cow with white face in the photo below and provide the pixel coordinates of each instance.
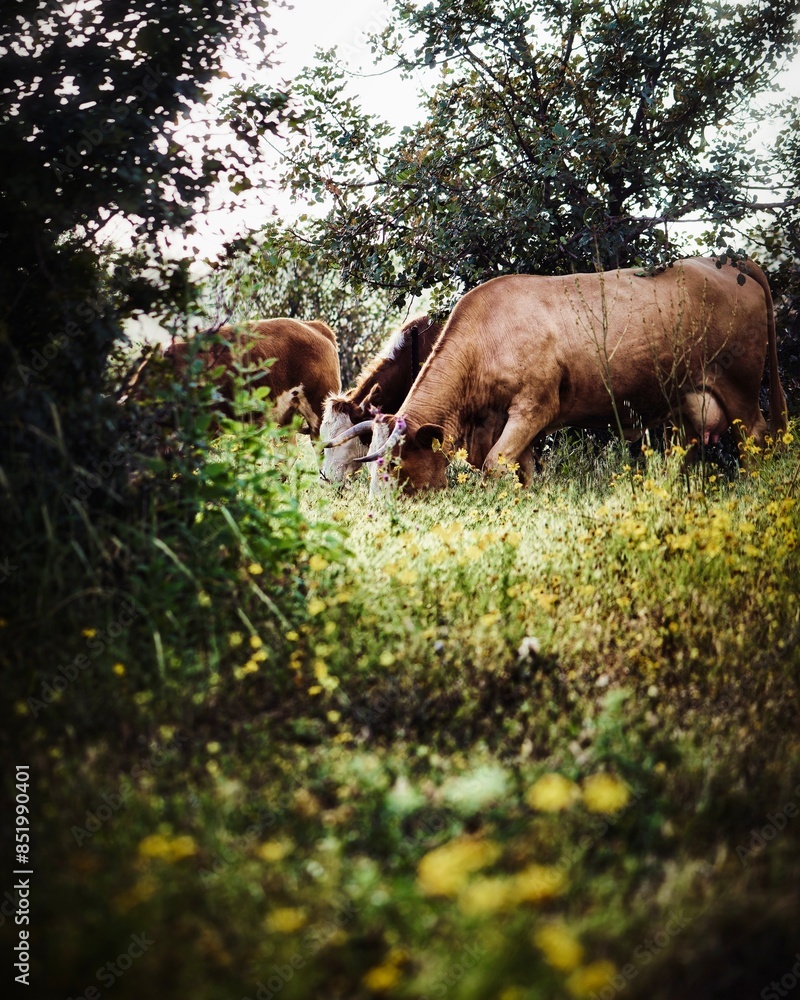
(687, 346)
(383, 385)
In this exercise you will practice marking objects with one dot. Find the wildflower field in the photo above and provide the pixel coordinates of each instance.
(519, 744)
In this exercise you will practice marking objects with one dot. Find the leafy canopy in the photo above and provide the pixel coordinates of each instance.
(92, 96)
(557, 136)
(284, 275)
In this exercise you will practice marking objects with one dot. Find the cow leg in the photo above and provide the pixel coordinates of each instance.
(747, 420)
(514, 445)
(527, 466)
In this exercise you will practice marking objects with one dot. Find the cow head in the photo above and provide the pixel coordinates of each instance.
(421, 465)
(342, 449)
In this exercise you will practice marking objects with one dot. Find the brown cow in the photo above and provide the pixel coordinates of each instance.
(477, 440)
(304, 372)
(383, 384)
(594, 350)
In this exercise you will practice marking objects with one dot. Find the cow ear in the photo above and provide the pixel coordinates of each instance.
(370, 399)
(429, 433)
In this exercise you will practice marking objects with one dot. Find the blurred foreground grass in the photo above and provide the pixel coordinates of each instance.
(501, 743)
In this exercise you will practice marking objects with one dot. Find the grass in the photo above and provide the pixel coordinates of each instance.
(348, 791)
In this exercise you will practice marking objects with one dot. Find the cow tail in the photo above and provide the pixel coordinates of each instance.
(778, 413)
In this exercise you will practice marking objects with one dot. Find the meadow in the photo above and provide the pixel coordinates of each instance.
(487, 742)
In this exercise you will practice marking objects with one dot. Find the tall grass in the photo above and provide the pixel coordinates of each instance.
(344, 785)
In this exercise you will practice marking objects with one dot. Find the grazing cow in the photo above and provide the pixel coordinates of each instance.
(305, 369)
(593, 350)
(294, 402)
(477, 441)
(384, 383)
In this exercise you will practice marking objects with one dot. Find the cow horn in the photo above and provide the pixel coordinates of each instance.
(393, 439)
(355, 431)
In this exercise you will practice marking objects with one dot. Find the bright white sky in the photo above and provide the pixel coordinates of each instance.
(308, 26)
(324, 24)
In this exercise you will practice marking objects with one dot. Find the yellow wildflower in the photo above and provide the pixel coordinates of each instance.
(138, 893)
(591, 978)
(604, 793)
(286, 919)
(203, 599)
(255, 569)
(442, 871)
(381, 977)
(316, 563)
(552, 793)
(486, 895)
(537, 883)
(274, 850)
(119, 669)
(88, 633)
(315, 606)
(169, 849)
(560, 947)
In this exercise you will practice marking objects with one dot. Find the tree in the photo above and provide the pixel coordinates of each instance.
(91, 95)
(559, 136)
(284, 275)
